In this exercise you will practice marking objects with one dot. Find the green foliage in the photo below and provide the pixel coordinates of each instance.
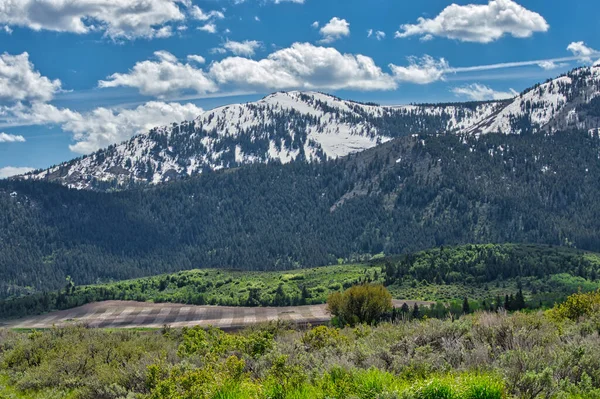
(323, 337)
(479, 356)
(577, 306)
(365, 303)
(200, 287)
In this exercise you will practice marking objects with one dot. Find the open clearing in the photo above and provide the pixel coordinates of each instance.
(124, 314)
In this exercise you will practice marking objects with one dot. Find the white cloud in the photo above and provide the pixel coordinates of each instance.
(334, 30)
(288, 1)
(11, 138)
(103, 126)
(117, 19)
(303, 66)
(246, 48)
(379, 35)
(10, 171)
(421, 71)
(210, 28)
(7, 29)
(19, 81)
(197, 59)
(197, 13)
(256, 18)
(21, 114)
(550, 65)
(583, 52)
(478, 23)
(478, 92)
(315, 24)
(164, 32)
(163, 77)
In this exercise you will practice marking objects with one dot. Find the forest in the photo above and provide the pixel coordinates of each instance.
(488, 276)
(407, 195)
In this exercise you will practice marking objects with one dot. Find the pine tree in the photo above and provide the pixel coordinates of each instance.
(404, 308)
(466, 308)
(520, 301)
(416, 313)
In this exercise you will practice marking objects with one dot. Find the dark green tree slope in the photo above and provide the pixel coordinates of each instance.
(410, 194)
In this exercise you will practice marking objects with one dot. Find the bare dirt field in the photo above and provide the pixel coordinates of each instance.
(121, 314)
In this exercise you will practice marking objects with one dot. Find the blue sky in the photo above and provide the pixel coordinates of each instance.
(79, 76)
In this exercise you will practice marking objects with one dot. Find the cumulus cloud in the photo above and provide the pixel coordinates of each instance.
(478, 23)
(37, 113)
(478, 92)
(19, 81)
(210, 28)
(315, 25)
(334, 30)
(162, 77)
(196, 58)
(582, 51)
(246, 48)
(11, 138)
(421, 70)
(10, 171)
(117, 19)
(197, 13)
(303, 66)
(102, 126)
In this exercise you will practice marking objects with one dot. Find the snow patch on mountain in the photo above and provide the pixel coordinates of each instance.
(312, 127)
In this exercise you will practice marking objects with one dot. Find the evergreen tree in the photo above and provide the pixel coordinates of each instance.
(519, 301)
(466, 308)
(416, 313)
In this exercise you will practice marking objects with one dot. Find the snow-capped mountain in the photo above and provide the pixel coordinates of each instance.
(571, 101)
(281, 127)
(311, 126)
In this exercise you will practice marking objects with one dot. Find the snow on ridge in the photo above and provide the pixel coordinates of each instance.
(284, 126)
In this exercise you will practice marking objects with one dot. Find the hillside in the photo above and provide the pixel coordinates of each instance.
(313, 127)
(409, 194)
(480, 272)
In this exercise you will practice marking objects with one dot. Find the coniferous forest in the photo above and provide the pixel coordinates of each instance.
(410, 194)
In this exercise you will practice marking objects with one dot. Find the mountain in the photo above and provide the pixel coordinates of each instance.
(312, 126)
(282, 127)
(408, 194)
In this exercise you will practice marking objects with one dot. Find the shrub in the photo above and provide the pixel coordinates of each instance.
(323, 337)
(360, 304)
(577, 306)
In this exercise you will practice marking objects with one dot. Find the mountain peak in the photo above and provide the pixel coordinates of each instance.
(313, 126)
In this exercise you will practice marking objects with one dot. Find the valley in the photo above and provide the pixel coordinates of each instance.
(299, 199)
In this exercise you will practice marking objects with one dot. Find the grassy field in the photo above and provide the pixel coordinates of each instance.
(481, 273)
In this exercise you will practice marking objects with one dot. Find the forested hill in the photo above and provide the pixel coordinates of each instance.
(409, 194)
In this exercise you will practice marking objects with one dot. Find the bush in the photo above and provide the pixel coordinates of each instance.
(360, 304)
(323, 337)
(577, 306)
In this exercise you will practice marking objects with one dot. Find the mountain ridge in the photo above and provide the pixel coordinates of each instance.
(312, 126)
